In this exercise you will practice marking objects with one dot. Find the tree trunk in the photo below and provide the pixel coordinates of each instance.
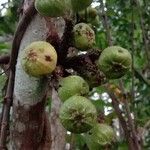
(29, 97)
(57, 131)
(30, 128)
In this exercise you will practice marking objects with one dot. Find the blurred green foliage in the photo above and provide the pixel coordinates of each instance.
(8, 21)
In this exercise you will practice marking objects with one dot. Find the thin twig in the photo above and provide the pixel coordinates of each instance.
(4, 71)
(3, 94)
(140, 76)
(133, 142)
(145, 40)
(124, 125)
(23, 24)
(132, 54)
(105, 23)
(131, 123)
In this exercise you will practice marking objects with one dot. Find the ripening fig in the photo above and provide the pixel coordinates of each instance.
(72, 85)
(94, 21)
(84, 36)
(101, 134)
(115, 62)
(51, 8)
(78, 114)
(89, 15)
(92, 12)
(39, 58)
(78, 5)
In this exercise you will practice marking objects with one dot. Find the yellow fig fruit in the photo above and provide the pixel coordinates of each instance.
(39, 58)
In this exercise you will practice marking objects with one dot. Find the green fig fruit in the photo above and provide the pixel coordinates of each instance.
(84, 36)
(88, 14)
(90, 143)
(51, 8)
(94, 21)
(92, 12)
(101, 134)
(115, 62)
(78, 5)
(78, 114)
(39, 58)
(72, 85)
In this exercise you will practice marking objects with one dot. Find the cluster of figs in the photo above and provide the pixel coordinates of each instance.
(77, 114)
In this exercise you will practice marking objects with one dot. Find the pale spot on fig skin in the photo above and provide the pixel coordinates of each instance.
(31, 55)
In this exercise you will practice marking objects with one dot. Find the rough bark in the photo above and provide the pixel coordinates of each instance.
(29, 97)
(57, 131)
